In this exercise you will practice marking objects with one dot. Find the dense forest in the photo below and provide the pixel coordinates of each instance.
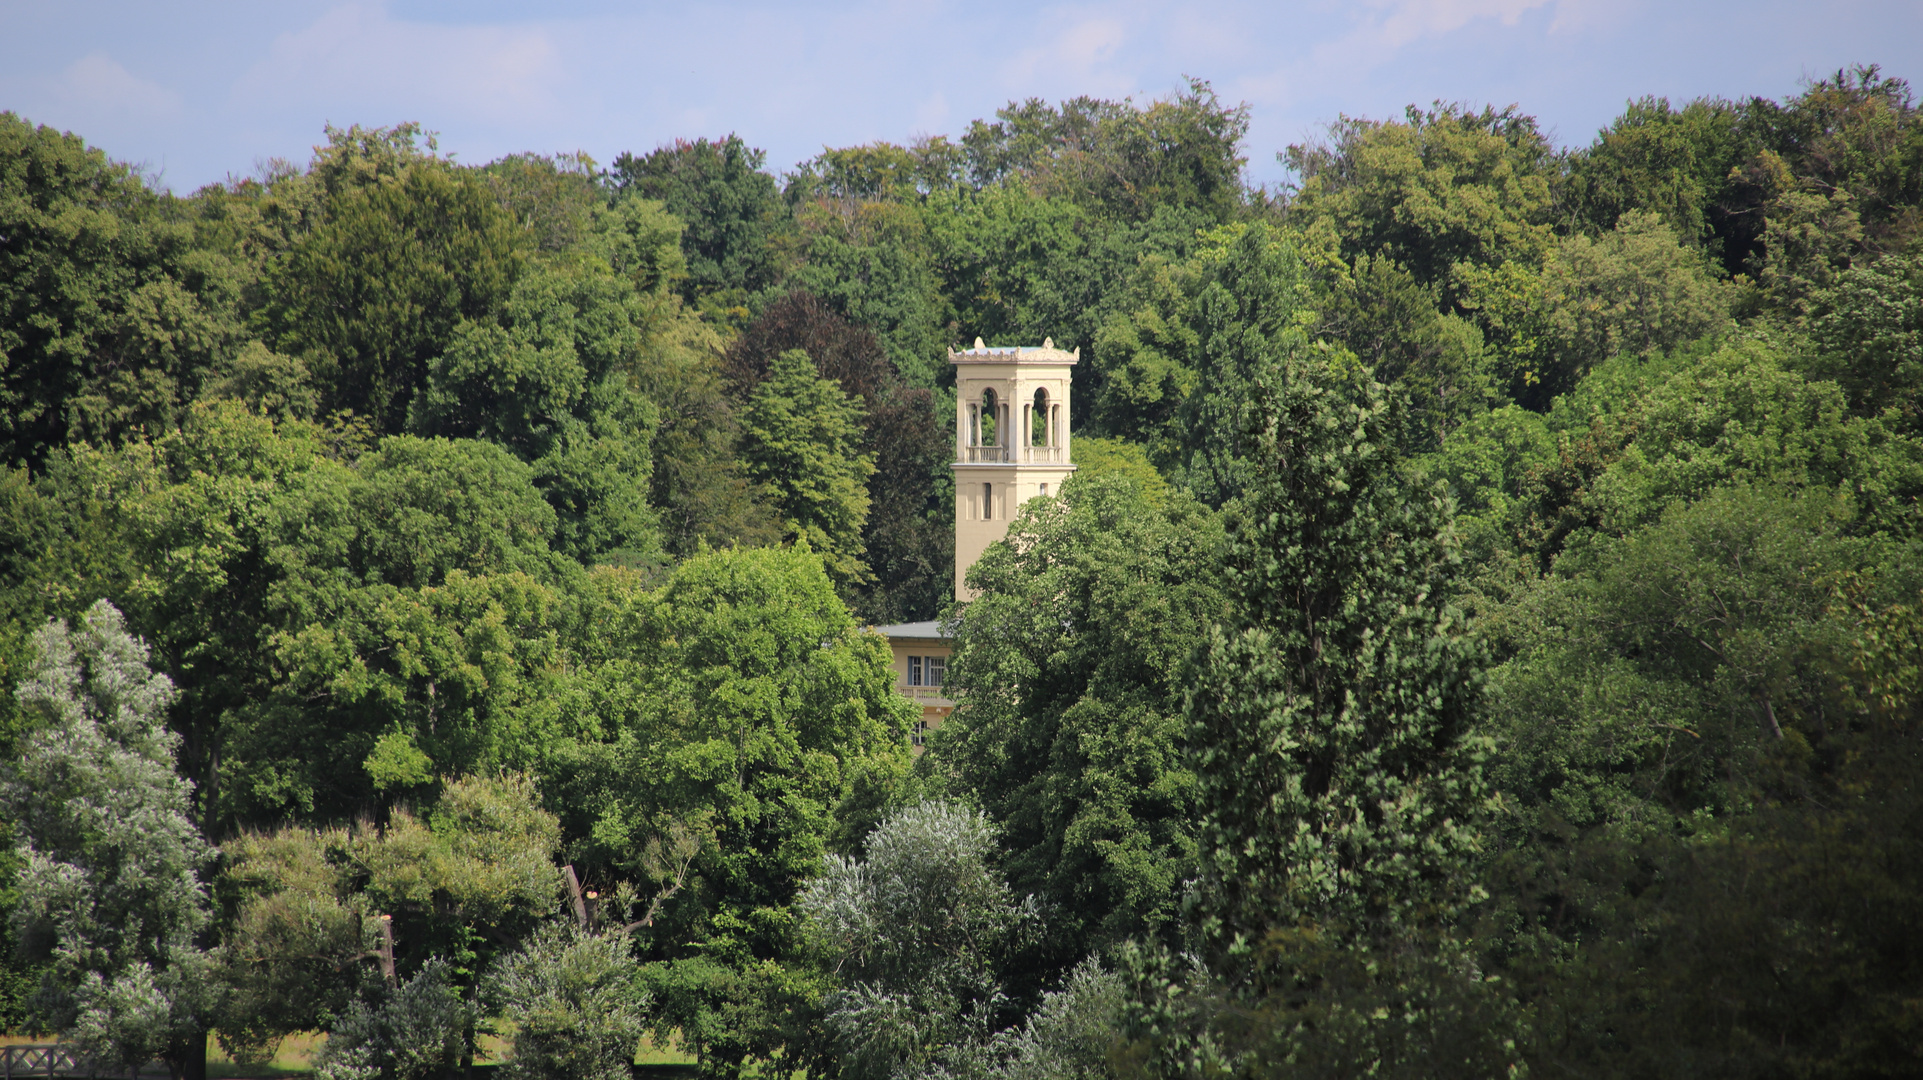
(1483, 637)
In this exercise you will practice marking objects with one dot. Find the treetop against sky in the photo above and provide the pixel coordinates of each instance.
(201, 91)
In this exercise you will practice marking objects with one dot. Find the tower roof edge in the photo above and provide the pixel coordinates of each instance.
(1045, 353)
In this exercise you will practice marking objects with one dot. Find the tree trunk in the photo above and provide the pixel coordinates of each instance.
(189, 1059)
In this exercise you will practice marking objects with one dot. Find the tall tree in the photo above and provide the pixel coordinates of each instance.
(1119, 159)
(1069, 730)
(1177, 365)
(111, 316)
(376, 291)
(743, 715)
(733, 209)
(916, 933)
(801, 439)
(910, 545)
(1329, 716)
(109, 890)
(1441, 187)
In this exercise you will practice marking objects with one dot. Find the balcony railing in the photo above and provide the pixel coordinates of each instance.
(1005, 455)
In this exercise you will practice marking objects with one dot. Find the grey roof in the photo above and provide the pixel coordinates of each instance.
(929, 629)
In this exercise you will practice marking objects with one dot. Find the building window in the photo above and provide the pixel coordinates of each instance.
(914, 671)
(1044, 491)
(988, 502)
(919, 734)
(937, 668)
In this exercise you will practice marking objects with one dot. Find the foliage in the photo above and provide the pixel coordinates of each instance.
(733, 209)
(553, 199)
(1637, 435)
(553, 384)
(1670, 162)
(1329, 717)
(1179, 362)
(743, 715)
(1869, 333)
(296, 941)
(378, 288)
(908, 542)
(914, 933)
(326, 923)
(1441, 189)
(870, 260)
(1377, 310)
(571, 1000)
(420, 479)
(800, 439)
(411, 1032)
(111, 316)
(1069, 729)
(1634, 290)
(108, 887)
(1070, 1034)
(1118, 159)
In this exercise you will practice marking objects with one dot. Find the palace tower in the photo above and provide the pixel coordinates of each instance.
(1011, 445)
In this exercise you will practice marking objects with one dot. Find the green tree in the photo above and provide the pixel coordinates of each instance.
(553, 382)
(1436, 190)
(1638, 434)
(908, 535)
(111, 316)
(411, 1032)
(553, 199)
(1117, 159)
(108, 888)
(1018, 266)
(376, 290)
(743, 715)
(1869, 332)
(801, 438)
(313, 606)
(1339, 781)
(1636, 289)
(1329, 717)
(916, 933)
(1069, 730)
(1671, 162)
(570, 998)
(871, 260)
(1376, 309)
(733, 209)
(342, 927)
(1707, 802)
(1178, 363)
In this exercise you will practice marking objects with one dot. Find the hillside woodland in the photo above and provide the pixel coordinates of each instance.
(1484, 637)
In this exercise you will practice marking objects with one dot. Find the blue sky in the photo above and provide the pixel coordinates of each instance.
(201, 90)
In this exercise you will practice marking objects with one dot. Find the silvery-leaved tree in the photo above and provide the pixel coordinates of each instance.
(916, 936)
(110, 896)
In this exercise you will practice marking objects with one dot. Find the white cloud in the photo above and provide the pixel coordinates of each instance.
(1411, 20)
(1079, 55)
(359, 55)
(98, 84)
